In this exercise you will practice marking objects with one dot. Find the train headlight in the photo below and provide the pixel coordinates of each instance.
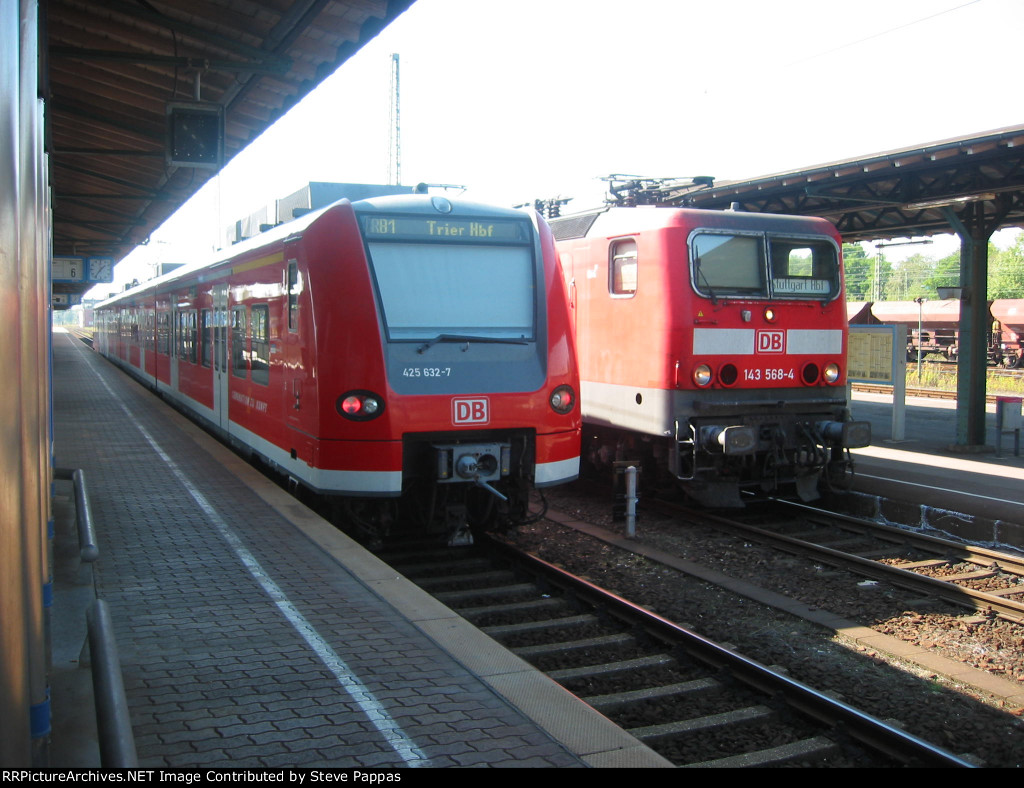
(360, 405)
(702, 375)
(831, 372)
(769, 315)
(563, 399)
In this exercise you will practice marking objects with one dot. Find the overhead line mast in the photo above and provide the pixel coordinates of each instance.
(395, 141)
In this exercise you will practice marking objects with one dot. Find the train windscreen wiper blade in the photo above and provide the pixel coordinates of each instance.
(469, 338)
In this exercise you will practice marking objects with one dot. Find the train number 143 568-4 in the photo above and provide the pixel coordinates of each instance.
(769, 374)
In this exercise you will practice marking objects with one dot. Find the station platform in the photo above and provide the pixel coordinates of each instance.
(252, 633)
(975, 493)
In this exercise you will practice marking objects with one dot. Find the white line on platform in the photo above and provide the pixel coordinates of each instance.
(373, 708)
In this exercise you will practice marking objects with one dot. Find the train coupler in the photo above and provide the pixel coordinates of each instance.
(457, 526)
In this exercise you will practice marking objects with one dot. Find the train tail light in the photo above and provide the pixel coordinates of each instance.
(360, 405)
(810, 373)
(563, 399)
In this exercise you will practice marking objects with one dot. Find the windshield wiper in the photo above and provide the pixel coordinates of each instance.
(704, 279)
(469, 338)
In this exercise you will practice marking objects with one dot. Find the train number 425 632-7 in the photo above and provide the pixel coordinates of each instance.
(769, 374)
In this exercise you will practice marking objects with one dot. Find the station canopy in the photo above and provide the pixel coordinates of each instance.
(899, 193)
(145, 100)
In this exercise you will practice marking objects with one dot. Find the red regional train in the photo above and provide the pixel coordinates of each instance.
(712, 348)
(402, 355)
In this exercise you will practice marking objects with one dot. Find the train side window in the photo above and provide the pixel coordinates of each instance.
(163, 334)
(293, 295)
(185, 336)
(239, 351)
(622, 271)
(260, 358)
(191, 337)
(205, 338)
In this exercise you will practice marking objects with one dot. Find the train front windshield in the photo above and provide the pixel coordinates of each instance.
(764, 266)
(471, 278)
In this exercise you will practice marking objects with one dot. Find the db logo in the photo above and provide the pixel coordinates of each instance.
(769, 341)
(471, 411)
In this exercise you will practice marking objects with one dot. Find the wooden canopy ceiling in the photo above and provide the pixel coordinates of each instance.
(112, 68)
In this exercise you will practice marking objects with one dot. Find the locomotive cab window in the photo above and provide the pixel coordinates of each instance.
(622, 271)
(764, 266)
(724, 264)
(804, 268)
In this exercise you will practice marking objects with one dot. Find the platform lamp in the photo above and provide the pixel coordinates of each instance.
(195, 134)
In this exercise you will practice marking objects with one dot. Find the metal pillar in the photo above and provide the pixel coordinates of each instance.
(15, 750)
(972, 362)
(33, 295)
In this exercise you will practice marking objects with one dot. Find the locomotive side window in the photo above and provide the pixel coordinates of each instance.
(622, 271)
(802, 267)
(260, 358)
(726, 264)
(239, 351)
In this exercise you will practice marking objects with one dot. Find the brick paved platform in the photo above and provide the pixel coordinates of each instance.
(252, 633)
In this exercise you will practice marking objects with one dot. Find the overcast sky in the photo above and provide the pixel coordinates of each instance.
(524, 99)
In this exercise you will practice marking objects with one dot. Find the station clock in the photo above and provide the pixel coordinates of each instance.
(195, 134)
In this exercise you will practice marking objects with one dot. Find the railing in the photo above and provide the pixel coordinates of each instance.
(116, 740)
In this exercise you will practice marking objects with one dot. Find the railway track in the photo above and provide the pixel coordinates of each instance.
(696, 702)
(923, 393)
(83, 335)
(962, 574)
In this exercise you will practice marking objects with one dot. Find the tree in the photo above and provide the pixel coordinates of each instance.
(1006, 272)
(859, 269)
(945, 273)
(909, 279)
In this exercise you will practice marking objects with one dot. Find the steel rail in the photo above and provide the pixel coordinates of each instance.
(943, 589)
(864, 728)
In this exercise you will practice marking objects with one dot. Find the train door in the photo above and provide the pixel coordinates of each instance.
(220, 355)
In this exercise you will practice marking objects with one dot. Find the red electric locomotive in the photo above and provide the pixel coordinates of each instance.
(712, 347)
(389, 350)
